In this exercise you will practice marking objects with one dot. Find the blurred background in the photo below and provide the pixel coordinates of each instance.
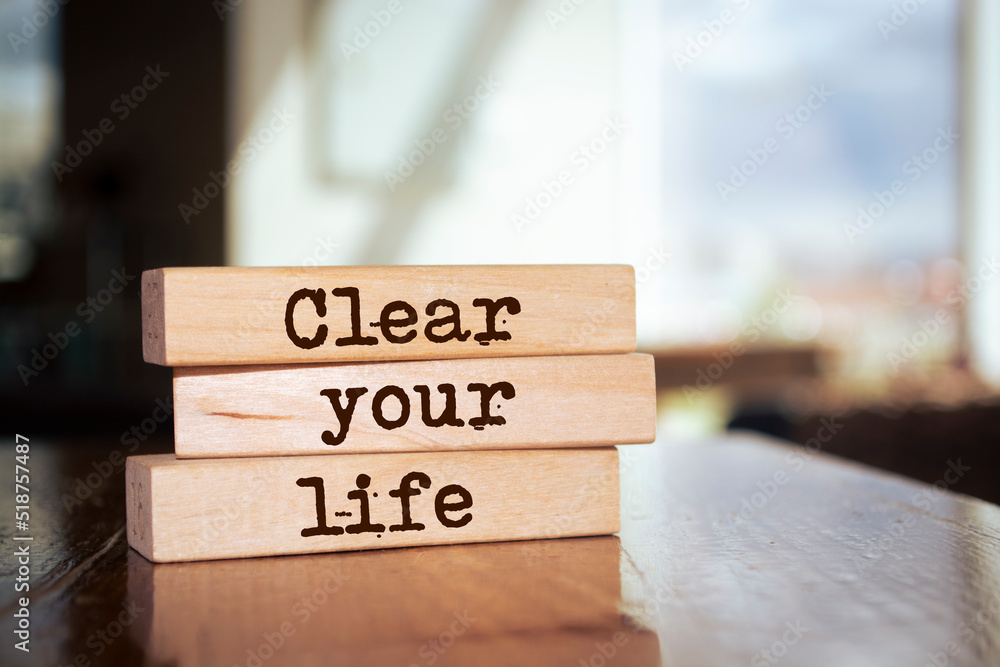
(809, 190)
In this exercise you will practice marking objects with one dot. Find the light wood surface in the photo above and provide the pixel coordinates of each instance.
(225, 316)
(871, 568)
(238, 507)
(530, 402)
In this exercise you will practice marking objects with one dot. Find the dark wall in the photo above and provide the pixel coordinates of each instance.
(117, 209)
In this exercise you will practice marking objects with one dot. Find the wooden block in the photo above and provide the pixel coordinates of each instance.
(229, 508)
(469, 604)
(226, 316)
(498, 403)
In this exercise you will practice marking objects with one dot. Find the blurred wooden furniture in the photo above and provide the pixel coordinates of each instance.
(915, 438)
(735, 551)
(750, 368)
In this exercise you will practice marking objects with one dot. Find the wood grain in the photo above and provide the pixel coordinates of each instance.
(567, 401)
(225, 316)
(229, 508)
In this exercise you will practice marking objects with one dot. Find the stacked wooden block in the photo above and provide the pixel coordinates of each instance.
(333, 409)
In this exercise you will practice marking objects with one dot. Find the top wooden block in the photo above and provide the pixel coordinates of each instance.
(229, 315)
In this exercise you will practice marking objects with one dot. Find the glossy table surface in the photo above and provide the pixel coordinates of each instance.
(736, 551)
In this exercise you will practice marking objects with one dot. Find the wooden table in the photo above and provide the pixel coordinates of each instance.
(825, 563)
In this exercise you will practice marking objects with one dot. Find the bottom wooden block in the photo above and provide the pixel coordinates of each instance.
(199, 509)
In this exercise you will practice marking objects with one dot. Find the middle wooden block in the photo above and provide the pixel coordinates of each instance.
(488, 403)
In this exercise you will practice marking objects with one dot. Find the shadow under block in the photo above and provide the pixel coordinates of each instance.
(497, 403)
(180, 510)
(229, 315)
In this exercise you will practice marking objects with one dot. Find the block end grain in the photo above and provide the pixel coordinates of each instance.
(646, 378)
(138, 507)
(615, 500)
(154, 344)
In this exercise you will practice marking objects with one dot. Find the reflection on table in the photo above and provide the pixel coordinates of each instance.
(553, 602)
